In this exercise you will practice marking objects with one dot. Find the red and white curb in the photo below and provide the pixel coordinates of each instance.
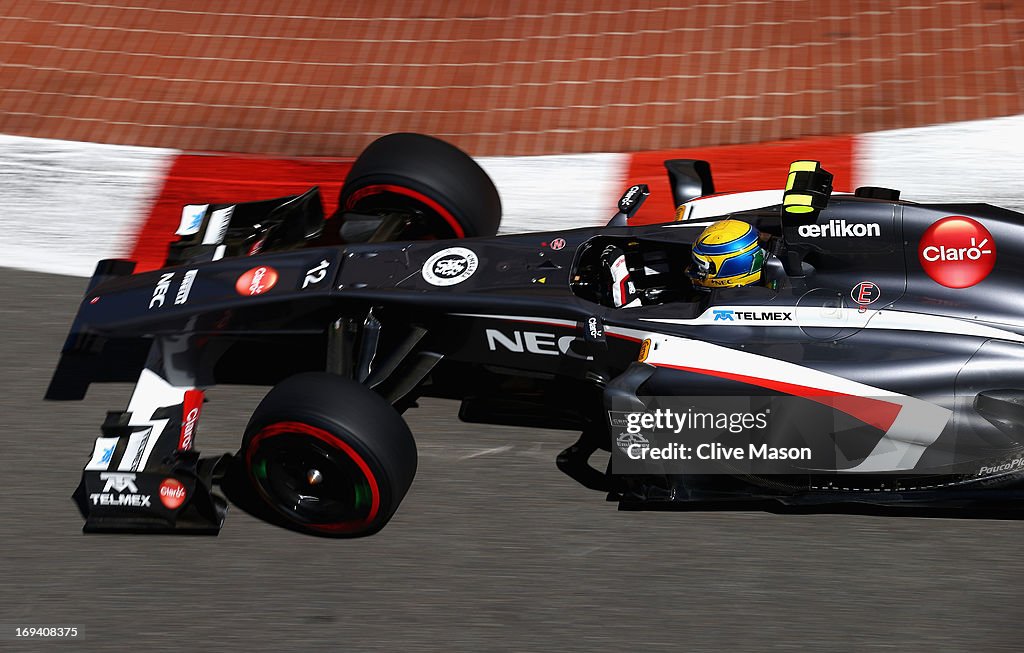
(66, 205)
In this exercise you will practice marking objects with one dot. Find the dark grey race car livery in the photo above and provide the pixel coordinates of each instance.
(900, 320)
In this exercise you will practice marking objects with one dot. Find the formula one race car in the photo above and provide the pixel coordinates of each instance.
(883, 336)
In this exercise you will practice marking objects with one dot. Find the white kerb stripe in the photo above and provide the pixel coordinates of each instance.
(975, 161)
(66, 205)
(545, 193)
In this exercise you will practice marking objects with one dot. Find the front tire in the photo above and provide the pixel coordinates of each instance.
(329, 455)
(448, 192)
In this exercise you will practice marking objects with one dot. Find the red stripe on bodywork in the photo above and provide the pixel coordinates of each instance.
(876, 412)
(738, 168)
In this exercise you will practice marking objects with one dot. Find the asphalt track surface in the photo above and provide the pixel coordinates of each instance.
(493, 549)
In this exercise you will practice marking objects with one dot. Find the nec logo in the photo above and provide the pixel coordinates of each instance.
(160, 292)
(533, 342)
(119, 482)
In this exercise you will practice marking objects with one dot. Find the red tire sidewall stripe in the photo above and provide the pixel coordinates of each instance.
(279, 428)
(377, 189)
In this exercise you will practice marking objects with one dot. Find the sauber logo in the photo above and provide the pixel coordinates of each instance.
(957, 252)
(256, 281)
(172, 493)
(450, 266)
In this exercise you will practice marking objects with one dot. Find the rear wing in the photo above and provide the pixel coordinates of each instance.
(689, 179)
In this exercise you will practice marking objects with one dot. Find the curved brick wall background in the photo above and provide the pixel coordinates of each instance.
(500, 78)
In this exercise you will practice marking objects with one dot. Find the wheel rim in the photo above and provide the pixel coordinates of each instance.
(313, 477)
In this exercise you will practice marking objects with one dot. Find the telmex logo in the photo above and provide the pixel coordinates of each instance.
(957, 252)
(840, 229)
(118, 482)
(731, 315)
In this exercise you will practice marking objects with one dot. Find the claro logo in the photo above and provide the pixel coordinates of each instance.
(172, 493)
(957, 252)
(256, 281)
(188, 430)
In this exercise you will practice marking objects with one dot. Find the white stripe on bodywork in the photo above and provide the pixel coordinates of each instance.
(823, 316)
(720, 205)
(138, 443)
(151, 394)
(673, 350)
(917, 426)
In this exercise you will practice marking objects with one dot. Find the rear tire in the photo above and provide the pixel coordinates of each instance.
(329, 455)
(422, 175)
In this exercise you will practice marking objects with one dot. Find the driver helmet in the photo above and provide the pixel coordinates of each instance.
(726, 255)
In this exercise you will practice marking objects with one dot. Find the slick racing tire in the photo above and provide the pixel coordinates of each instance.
(442, 187)
(329, 455)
